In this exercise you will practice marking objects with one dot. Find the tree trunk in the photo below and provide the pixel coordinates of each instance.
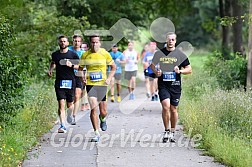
(225, 10)
(249, 68)
(237, 27)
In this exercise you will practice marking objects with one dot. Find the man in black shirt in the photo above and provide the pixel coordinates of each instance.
(172, 63)
(65, 78)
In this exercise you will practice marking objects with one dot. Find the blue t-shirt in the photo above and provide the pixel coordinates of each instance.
(79, 53)
(117, 56)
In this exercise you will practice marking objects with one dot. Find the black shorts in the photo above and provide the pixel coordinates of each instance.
(79, 83)
(146, 73)
(100, 92)
(165, 92)
(129, 74)
(151, 76)
(67, 94)
(118, 76)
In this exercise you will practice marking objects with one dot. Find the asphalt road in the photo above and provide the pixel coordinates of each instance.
(133, 138)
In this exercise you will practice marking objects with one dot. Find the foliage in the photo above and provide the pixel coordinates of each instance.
(229, 73)
(202, 82)
(222, 118)
(23, 130)
(12, 73)
(36, 36)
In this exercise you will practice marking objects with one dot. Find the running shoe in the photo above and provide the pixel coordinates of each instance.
(148, 95)
(112, 99)
(133, 96)
(130, 97)
(73, 122)
(156, 97)
(96, 138)
(152, 98)
(172, 137)
(103, 124)
(166, 136)
(62, 129)
(69, 116)
(118, 99)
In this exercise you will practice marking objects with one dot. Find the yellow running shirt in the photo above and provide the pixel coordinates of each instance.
(96, 65)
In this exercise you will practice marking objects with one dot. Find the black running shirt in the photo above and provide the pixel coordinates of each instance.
(63, 72)
(167, 61)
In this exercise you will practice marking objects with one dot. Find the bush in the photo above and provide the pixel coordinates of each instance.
(12, 73)
(223, 118)
(33, 120)
(229, 73)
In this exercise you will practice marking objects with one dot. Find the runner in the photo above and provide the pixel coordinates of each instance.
(131, 57)
(150, 77)
(96, 60)
(77, 41)
(65, 78)
(118, 58)
(172, 63)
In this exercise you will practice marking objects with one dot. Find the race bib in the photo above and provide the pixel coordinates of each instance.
(95, 76)
(67, 84)
(169, 76)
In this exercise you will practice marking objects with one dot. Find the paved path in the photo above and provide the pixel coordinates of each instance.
(133, 139)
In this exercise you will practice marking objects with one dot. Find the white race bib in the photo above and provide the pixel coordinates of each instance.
(95, 76)
(66, 84)
(169, 76)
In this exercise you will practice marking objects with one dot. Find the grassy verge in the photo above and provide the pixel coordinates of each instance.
(22, 132)
(223, 118)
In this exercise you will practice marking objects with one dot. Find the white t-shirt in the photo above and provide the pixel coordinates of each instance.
(131, 60)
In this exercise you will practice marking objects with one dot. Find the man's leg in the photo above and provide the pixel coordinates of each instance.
(147, 86)
(94, 118)
(156, 89)
(129, 85)
(133, 83)
(174, 117)
(166, 118)
(103, 109)
(85, 104)
(77, 101)
(93, 101)
(152, 89)
(132, 88)
(93, 114)
(174, 120)
(166, 113)
(118, 88)
(61, 111)
(112, 90)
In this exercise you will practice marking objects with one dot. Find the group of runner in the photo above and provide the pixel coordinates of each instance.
(80, 70)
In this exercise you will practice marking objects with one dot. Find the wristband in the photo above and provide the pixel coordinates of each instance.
(72, 66)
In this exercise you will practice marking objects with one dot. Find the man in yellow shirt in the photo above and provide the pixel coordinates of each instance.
(96, 61)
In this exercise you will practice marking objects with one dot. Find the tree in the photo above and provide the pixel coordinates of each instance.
(225, 11)
(237, 26)
(249, 67)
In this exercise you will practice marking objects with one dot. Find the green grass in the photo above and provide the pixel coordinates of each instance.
(223, 118)
(21, 133)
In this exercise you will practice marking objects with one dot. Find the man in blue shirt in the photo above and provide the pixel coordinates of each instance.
(118, 58)
(77, 41)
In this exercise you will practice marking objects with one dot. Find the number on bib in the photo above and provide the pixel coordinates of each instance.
(169, 76)
(67, 84)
